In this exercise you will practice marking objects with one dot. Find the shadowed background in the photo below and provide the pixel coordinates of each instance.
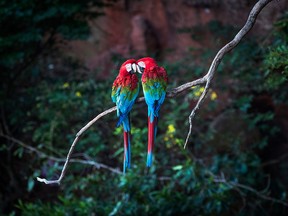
(58, 60)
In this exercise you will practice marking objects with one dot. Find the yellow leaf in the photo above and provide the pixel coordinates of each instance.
(213, 96)
(66, 85)
(78, 94)
(171, 129)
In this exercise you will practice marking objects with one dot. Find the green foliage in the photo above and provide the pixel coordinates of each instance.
(276, 63)
(32, 26)
(228, 141)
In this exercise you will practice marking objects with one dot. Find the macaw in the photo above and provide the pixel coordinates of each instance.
(125, 90)
(154, 82)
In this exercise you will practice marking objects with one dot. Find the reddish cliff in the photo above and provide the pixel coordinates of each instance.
(152, 27)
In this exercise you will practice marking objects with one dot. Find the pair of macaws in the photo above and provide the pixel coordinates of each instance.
(125, 90)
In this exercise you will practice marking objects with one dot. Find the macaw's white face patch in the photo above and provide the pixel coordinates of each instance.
(134, 67)
(142, 64)
(140, 67)
(128, 67)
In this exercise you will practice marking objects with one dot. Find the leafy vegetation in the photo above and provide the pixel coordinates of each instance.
(227, 160)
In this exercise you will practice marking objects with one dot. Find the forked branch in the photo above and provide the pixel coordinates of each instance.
(204, 80)
(218, 58)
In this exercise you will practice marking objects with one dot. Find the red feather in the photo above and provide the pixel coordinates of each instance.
(151, 140)
(127, 153)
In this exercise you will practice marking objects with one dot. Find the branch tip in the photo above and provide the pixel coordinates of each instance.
(207, 78)
(43, 180)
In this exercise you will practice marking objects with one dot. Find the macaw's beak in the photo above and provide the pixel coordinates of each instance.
(140, 69)
(134, 68)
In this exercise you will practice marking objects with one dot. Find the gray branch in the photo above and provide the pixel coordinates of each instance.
(236, 186)
(174, 92)
(218, 58)
(87, 161)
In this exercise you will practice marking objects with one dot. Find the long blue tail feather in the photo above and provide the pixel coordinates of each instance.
(127, 143)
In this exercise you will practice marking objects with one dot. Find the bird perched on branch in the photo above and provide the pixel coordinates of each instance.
(154, 82)
(125, 90)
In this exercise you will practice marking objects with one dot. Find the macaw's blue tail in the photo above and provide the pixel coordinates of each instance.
(152, 129)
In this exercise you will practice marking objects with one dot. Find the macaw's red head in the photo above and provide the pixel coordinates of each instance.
(128, 67)
(146, 62)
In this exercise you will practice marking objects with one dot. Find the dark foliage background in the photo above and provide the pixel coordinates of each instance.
(239, 132)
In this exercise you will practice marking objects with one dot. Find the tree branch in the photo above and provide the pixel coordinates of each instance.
(218, 58)
(248, 188)
(87, 161)
(174, 92)
(170, 94)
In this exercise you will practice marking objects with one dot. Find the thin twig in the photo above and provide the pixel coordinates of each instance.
(234, 185)
(275, 161)
(174, 92)
(193, 112)
(248, 188)
(218, 58)
(89, 124)
(64, 167)
(41, 154)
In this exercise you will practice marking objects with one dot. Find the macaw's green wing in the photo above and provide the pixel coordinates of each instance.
(154, 88)
(116, 89)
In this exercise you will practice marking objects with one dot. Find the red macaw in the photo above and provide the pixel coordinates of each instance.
(125, 90)
(154, 83)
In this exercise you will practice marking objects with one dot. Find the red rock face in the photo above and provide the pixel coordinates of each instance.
(140, 28)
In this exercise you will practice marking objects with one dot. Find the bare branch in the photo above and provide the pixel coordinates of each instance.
(170, 94)
(218, 58)
(174, 92)
(89, 124)
(193, 112)
(205, 79)
(87, 161)
(248, 188)
(275, 161)
(64, 167)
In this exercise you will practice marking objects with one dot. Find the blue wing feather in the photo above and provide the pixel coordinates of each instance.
(154, 99)
(124, 103)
